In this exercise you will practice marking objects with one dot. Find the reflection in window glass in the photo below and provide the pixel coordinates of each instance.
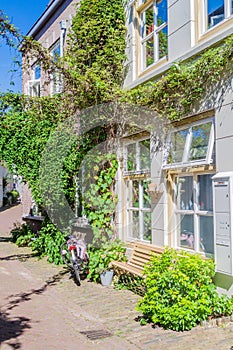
(200, 141)
(149, 21)
(205, 193)
(163, 43)
(147, 226)
(135, 194)
(131, 157)
(186, 231)
(144, 154)
(178, 140)
(135, 228)
(146, 195)
(162, 12)
(37, 72)
(149, 48)
(207, 234)
(185, 193)
(215, 10)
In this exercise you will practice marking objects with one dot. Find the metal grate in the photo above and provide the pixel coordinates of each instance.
(97, 334)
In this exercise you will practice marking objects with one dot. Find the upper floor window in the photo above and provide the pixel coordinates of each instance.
(153, 31)
(216, 11)
(56, 79)
(36, 72)
(34, 84)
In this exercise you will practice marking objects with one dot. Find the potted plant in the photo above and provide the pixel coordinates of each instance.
(100, 258)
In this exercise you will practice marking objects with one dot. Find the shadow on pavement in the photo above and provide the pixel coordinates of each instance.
(12, 328)
(22, 297)
(6, 207)
(5, 239)
(20, 257)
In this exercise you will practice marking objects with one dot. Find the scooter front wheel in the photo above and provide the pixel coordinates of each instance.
(77, 275)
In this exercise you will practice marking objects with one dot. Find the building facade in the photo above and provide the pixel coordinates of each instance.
(180, 195)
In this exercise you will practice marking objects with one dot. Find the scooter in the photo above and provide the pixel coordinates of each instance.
(75, 256)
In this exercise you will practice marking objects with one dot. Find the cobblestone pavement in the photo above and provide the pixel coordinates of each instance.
(41, 308)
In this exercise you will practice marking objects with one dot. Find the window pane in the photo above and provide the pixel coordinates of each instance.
(207, 234)
(186, 231)
(131, 157)
(163, 42)
(200, 141)
(149, 21)
(178, 140)
(133, 223)
(144, 154)
(146, 196)
(185, 193)
(37, 72)
(135, 194)
(215, 10)
(149, 51)
(205, 195)
(147, 226)
(162, 12)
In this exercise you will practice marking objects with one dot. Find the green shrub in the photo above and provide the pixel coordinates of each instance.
(101, 256)
(22, 235)
(48, 243)
(180, 291)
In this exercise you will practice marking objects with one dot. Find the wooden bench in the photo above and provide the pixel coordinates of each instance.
(141, 255)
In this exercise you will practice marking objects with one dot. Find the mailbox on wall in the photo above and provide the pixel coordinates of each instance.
(223, 219)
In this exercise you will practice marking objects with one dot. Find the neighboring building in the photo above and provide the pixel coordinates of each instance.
(192, 208)
(50, 30)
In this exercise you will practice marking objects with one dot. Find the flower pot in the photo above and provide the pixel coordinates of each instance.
(106, 278)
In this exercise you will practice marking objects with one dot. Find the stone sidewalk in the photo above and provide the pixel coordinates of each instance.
(41, 308)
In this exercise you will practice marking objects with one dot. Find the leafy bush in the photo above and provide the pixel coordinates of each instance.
(180, 292)
(101, 256)
(22, 235)
(48, 243)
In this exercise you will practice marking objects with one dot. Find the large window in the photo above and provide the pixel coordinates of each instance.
(190, 145)
(215, 11)
(194, 212)
(138, 201)
(153, 31)
(138, 210)
(34, 84)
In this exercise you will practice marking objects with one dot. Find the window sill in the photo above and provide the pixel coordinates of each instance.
(153, 67)
(218, 28)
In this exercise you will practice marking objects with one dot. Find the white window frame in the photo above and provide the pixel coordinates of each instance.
(228, 11)
(195, 212)
(139, 175)
(140, 209)
(185, 162)
(138, 169)
(56, 85)
(34, 88)
(154, 34)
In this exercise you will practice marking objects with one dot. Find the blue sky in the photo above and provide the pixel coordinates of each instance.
(23, 14)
